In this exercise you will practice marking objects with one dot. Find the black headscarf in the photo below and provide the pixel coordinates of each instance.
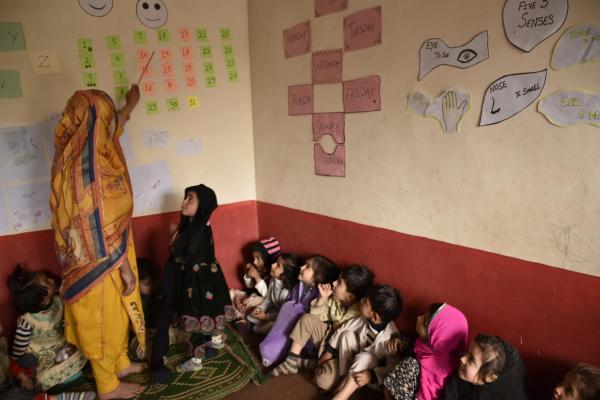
(509, 385)
(195, 241)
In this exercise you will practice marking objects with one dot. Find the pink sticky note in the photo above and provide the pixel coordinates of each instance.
(188, 68)
(329, 124)
(148, 88)
(296, 40)
(142, 55)
(170, 85)
(165, 55)
(362, 94)
(300, 100)
(167, 69)
(362, 29)
(146, 73)
(186, 52)
(327, 66)
(191, 82)
(330, 164)
(324, 7)
(184, 34)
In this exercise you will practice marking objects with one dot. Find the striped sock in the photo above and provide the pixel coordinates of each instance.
(76, 396)
(308, 363)
(289, 366)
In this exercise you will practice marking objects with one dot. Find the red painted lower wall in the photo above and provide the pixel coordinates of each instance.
(551, 315)
(234, 227)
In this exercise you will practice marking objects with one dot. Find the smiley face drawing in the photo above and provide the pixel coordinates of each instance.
(96, 8)
(151, 13)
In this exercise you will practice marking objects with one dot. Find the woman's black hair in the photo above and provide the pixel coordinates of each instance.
(27, 295)
(291, 268)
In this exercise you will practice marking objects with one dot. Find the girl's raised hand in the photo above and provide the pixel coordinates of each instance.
(325, 290)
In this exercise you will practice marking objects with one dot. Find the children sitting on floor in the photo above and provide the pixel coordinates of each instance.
(256, 277)
(357, 348)
(443, 333)
(318, 269)
(40, 356)
(336, 304)
(491, 369)
(580, 383)
(284, 276)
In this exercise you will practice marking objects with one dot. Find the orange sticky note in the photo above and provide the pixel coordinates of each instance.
(142, 55)
(148, 88)
(189, 68)
(167, 69)
(191, 82)
(184, 34)
(170, 85)
(186, 52)
(165, 54)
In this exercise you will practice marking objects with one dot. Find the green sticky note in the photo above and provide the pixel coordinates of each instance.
(205, 51)
(120, 77)
(117, 60)
(227, 50)
(230, 63)
(10, 84)
(210, 81)
(232, 76)
(113, 42)
(11, 36)
(84, 45)
(120, 92)
(201, 35)
(173, 104)
(209, 68)
(87, 60)
(225, 33)
(151, 107)
(163, 35)
(140, 37)
(90, 79)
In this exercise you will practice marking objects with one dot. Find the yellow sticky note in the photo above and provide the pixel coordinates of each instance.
(173, 104)
(90, 79)
(44, 62)
(151, 107)
(193, 102)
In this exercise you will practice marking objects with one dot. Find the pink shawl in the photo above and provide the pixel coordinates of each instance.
(448, 334)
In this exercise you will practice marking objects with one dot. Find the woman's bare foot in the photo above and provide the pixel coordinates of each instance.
(133, 368)
(125, 390)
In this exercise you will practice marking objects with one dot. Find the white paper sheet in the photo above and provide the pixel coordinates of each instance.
(578, 44)
(126, 146)
(435, 52)
(189, 146)
(29, 206)
(528, 23)
(571, 107)
(510, 94)
(449, 108)
(151, 183)
(4, 226)
(22, 154)
(157, 138)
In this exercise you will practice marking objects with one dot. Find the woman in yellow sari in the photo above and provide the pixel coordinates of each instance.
(92, 204)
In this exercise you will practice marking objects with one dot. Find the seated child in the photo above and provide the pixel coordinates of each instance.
(146, 274)
(443, 333)
(39, 340)
(491, 369)
(284, 276)
(318, 269)
(7, 392)
(580, 383)
(336, 304)
(357, 348)
(256, 276)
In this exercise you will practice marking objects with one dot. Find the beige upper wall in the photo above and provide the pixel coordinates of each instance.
(507, 188)
(223, 122)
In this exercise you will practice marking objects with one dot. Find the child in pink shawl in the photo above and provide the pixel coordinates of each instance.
(443, 336)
